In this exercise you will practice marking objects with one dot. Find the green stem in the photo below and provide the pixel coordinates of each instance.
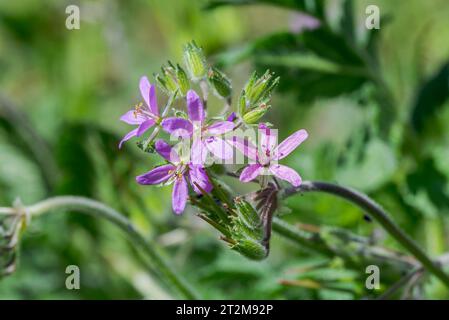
(97, 209)
(305, 240)
(376, 212)
(355, 251)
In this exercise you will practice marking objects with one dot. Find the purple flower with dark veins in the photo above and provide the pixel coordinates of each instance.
(177, 172)
(267, 155)
(143, 115)
(204, 136)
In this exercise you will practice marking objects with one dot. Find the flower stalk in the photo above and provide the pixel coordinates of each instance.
(99, 210)
(378, 214)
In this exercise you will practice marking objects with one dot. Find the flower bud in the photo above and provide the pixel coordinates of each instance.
(172, 79)
(254, 115)
(251, 249)
(195, 61)
(219, 82)
(247, 213)
(257, 94)
(247, 223)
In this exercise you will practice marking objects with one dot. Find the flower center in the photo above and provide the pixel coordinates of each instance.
(138, 109)
(268, 153)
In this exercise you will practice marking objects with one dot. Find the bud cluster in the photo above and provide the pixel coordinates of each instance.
(173, 79)
(256, 95)
(237, 220)
(248, 231)
(195, 61)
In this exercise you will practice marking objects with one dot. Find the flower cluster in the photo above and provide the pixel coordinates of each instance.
(199, 137)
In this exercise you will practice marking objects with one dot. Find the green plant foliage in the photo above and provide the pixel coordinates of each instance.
(375, 104)
(431, 97)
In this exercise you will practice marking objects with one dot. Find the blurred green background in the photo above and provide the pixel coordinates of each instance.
(63, 91)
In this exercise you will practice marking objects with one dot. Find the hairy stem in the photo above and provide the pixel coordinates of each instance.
(99, 210)
(377, 213)
(357, 252)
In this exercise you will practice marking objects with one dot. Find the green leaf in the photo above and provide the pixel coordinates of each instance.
(374, 170)
(22, 134)
(431, 98)
(347, 20)
(429, 179)
(315, 63)
(19, 176)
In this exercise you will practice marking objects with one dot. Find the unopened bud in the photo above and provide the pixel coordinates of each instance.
(219, 82)
(255, 114)
(173, 79)
(251, 249)
(257, 92)
(247, 223)
(195, 61)
(183, 80)
(247, 213)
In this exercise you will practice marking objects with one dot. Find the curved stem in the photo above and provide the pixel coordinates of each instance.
(7, 211)
(356, 251)
(376, 212)
(97, 209)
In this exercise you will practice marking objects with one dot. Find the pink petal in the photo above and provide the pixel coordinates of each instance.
(290, 144)
(195, 107)
(232, 117)
(301, 22)
(157, 175)
(166, 151)
(179, 195)
(267, 141)
(219, 148)
(132, 117)
(153, 101)
(244, 146)
(144, 126)
(220, 127)
(128, 136)
(251, 172)
(198, 152)
(148, 92)
(198, 176)
(286, 173)
(177, 127)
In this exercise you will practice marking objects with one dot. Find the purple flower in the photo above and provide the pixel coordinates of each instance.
(300, 22)
(144, 116)
(232, 117)
(204, 136)
(268, 154)
(178, 173)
